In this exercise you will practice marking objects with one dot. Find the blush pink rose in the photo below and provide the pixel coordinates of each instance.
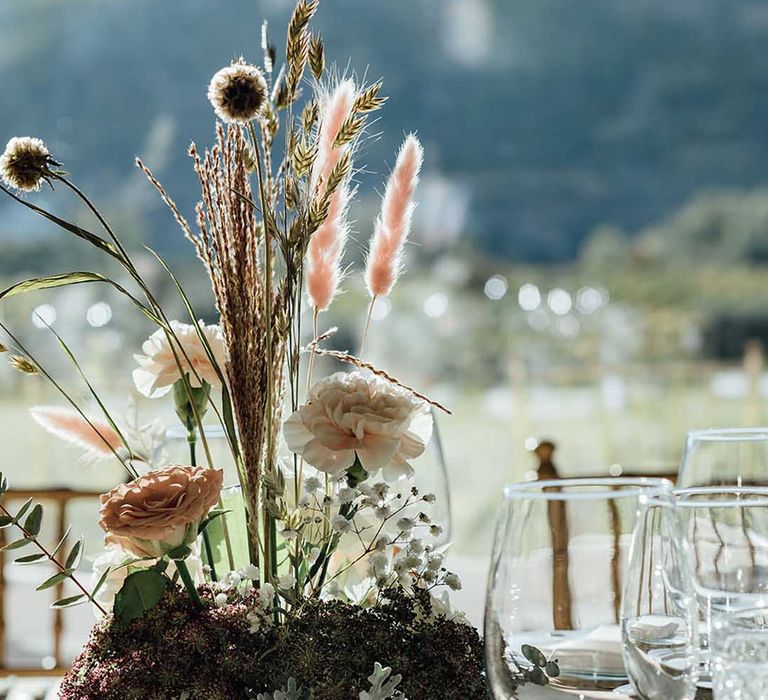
(159, 511)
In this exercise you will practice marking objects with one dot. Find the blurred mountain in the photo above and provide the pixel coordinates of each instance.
(542, 119)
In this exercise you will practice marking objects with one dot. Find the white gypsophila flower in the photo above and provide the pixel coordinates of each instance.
(289, 534)
(381, 543)
(220, 600)
(378, 564)
(435, 530)
(251, 572)
(346, 495)
(406, 580)
(435, 561)
(314, 554)
(429, 498)
(452, 581)
(441, 607)
(405, 524)
(232, 579)
(413, 561)
(429, 576)
(266, 595)
(254, 622)
(383, 512)
(286, 581)
(238, 92)
(304, 502)
(158, 369)
(415, 546)
(340, 524)
(312, 484)
(350, 416)
(380, 489)
(25, 163)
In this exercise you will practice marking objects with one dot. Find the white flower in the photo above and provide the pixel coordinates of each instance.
(435, 530)
(452, 581)
(289, 534)
(441, 607)
(352, 416)
(25, 163)
(312, 484)
(380, 488)
(429, 498)
(254, 622)
(377, 564)
(220, 600)
(415, 546)
(313, 554)
(286, 581)
(347, 495)
(383, 512)
(340, 524)
(405, 524)
(251, 572)
(158, 370)
(435, 561)
(266, 595)
(381, 543)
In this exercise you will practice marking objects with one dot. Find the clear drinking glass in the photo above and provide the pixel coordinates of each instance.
(740, 655)
(725, 457)
(556, 580)
(659, 615)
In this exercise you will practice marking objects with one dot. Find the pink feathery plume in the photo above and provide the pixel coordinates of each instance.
(97, 438)
(394, 223)
(326, 246)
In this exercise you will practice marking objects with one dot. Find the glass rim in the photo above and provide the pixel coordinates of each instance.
(735, 502)
(603, 488)
(756, 434)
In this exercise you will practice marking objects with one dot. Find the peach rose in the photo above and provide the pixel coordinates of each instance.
(351, 416)
(159, 511)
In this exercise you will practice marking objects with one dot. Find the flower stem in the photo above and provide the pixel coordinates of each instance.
(189, 584)
(367, 325)
(192, 442)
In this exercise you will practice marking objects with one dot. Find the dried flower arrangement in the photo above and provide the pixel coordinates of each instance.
(340, 586)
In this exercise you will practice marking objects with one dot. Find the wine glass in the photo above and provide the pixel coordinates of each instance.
(732, 457)
(554, 589)
(740, 655)
(659, 620)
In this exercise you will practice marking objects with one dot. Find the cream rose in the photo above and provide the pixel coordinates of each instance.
(160, 510)
(158, 370)
(352, 416)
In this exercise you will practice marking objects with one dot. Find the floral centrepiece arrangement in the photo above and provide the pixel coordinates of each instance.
(343, 593)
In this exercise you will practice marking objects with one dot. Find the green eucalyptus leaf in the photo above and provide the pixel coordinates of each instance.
(101, 581)
(534, 655)
(5, 521)
(552, 669)
(18, 544)
(30, 559)
(3, 484)
(54, 580)
(537, 676)
(71, 601)
(34, 520)
(61, 542)
(24, 508)
(141, 591)
(75, 554)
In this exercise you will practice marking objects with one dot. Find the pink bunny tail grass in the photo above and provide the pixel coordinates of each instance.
(394, 223)
(98, 439)
(336, 109)
(326, 249)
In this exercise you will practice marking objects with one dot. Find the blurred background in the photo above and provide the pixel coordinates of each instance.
(589, 257)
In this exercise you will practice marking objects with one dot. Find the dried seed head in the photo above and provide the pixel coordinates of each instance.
(25, 163)
(238, 92)
(22, 364)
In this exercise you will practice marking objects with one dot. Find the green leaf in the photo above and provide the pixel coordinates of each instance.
(5, 521)
(141, 591)
(552, 669)
(68, 278)
(61, 542)
(30, 559)
(70, 602)
(18, 544)
(101, 581)
(24, 508)
(213, 515)
(75, 554)
(3, 484)
(54, 580)
(181, 552)
(534, 655)
(34, 520)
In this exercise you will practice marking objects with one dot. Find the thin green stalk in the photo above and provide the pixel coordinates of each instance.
(189, 584)
(192, 442)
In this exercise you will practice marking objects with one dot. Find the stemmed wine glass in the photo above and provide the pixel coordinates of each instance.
(555, 585)
(731, 456)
